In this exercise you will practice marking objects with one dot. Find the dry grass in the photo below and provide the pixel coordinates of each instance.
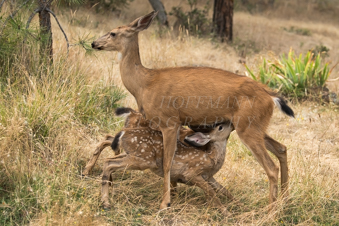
(44, 183)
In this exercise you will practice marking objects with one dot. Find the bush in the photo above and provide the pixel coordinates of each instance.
(195, 20)
(298, 31)
(293, 76)
(109, 5)
(320, 49)
(12, 36)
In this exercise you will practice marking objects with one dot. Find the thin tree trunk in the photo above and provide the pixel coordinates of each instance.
(223, 19)
(162, 15)
(46, 34)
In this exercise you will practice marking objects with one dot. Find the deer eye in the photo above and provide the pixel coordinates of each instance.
(113, 34)
(220, 128)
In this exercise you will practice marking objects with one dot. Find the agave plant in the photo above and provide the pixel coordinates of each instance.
(292, 75)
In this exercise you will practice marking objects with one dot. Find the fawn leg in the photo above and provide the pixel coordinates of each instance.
(219, 188)
(123, 162)
(89, 166)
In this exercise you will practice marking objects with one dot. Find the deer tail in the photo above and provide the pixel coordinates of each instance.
(282, 105)
(116, 142)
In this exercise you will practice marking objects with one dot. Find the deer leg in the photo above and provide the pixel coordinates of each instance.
(170, 136)
(209, 191)
(219, 188)
(255, 142)
(89, 166)
(280, 151)
(109, 168)
(123, 163)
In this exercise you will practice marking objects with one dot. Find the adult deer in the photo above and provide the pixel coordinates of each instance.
(198, 96)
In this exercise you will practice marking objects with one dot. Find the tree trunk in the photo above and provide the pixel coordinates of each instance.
(162, 15)
(223, 19)
(46, 35)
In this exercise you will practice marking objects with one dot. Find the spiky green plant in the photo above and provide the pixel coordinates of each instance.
(293, 75)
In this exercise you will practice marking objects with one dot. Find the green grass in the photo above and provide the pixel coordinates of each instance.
(47, 114)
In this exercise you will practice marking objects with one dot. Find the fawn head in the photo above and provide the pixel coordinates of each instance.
(220, 133)
(116, 39)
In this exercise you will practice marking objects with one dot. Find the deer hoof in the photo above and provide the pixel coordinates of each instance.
(165, 206)
(106, 205)
(84, 176)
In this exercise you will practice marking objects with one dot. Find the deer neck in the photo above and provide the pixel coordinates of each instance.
(220, 151)
(133, 73)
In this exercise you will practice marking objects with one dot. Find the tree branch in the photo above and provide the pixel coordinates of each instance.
(29, 22)
(49, 2)
(3, 1)
(23, 4)
(56, 19)
(31, 17)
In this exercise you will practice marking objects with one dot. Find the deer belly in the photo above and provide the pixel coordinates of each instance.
(177, 170)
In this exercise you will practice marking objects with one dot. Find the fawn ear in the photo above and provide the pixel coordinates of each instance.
(143, 22)
(197, 139)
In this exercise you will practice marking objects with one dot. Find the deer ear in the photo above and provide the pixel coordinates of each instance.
(197, 139)
(143, 22)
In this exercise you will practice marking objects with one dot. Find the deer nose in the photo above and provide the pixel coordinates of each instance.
(92, 45)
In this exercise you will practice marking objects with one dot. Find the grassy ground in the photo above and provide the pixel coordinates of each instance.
(42, 179)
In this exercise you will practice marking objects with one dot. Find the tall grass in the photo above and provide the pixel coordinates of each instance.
(47, 115)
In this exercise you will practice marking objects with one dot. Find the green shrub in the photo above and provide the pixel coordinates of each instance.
(293, 76)
(320, 49)
(111, 5)
(299, 31)
(12, 36)
(195, 21)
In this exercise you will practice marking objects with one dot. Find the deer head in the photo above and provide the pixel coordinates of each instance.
(119, 37)
(219, 133)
